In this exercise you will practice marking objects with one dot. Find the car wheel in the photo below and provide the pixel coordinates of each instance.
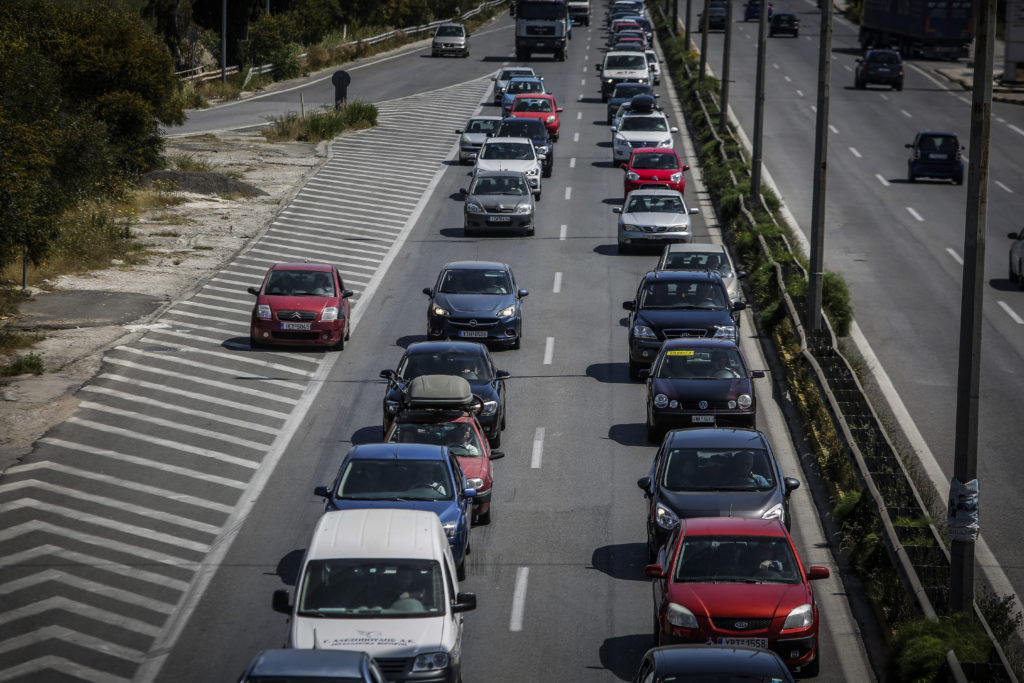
(502, 422)
(1009, 270)
(910, 174)
(537, 196)
(554, 138)
(796, 34)
(253, 344)
(958, 180)
(654, 434)
(657, 626)
(1020, 275)
(518, 343)
(546, 172)
(495, 441)
(348, 330)
(460, 569)
(623, 248)
(340, 346)
(634, 371)
(812, 668)
(899, 86)
(468, 232)
(485, 518)
(530, 231)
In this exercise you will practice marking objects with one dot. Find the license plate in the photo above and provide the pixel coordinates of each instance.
(749, 642)
(883, 71)
(473, 333)
(938, 156)
(499, 219)
(704, 418)
(295, 326)
(540, 43)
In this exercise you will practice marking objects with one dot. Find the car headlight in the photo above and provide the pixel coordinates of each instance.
(731, 404)
(543, 149)
(507, 312)
(667, 142)
(263, 312)
(490, 408)
(609, 80)
(473, 207)
(629, 227)
(641, 80)
(550, 119)
(432, 661)
(665, 518)
(661, 401)
(329, 313)
(800, 617)
(465, 141)
(437, 310)
(523, 209)
(685, 227)
(475, 483)
(725, 331)
(676, 177)
(678, 615)
(391, 407)
(449, 529)
(632, 175)
(775, 512)
(619, 140)
(533, 171)
(744, 401)
(644, 331)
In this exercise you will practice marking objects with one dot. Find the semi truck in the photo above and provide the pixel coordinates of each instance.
(542, 26)
(926, 28)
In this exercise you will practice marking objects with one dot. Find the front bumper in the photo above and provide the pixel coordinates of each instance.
(498, 222)
(643, 184)
(803, 645)
(449, 49)
(468, 152)
(481, 329)
(923, 169)
(318, 334)
(644, 238)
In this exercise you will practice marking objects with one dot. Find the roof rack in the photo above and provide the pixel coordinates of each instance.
(439, 392)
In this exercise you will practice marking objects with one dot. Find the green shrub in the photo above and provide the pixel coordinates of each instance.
(835, 298)
(32, 364)
(918, 651)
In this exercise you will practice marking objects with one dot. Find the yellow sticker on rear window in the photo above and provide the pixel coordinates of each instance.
(679, 352)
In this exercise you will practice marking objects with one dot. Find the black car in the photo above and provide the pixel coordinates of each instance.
(537, 132)
(711, 662)
(699, 383)
(274, 666)
(676, 303)
(468, 360)
(716, 17)
(625, 92)
(879, 67)
(784, 23)
(476, 300)
(935, 154)
(713, 472)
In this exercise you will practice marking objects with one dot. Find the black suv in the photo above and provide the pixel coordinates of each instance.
(784, 22)
(935, 154)
(883, 67)
(534, 129)
(674, 304)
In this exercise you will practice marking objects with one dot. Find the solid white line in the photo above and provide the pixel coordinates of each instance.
(1015, 129)
(576, 137)
(538, 449)
(884, 97)
(572, 162)
(549, 350)
(568, 193)
(519, 599)
(814, 108)
(854, 152)
(62, 665)
(882, 179)
(584, 71)
(200, 380)
(1004, 187)
(562, 231)
(1010, 312)
(915, 214)
(558, 283)
(964, 100)
(956, 256)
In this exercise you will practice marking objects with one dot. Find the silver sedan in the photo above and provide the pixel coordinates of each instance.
(653, 218)
(499, 201)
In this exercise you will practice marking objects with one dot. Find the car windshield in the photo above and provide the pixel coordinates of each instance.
(700, 364)
(447, 31)
(506, 184)
(515, 87)
(532, 104)
(883, 58)
(659, 161)
(460, 437)
(483, 126)
(938, 144)
(717, 469)
(521, 128)
(629, 90)
(648, 124)
(655, 204)
(736, 559)
(372, 588)
(542, 10)
(470, 366)
(402, 479)
(659, 294)
(625, 62)
(300, 283)
(475, 281)
(713, 261)
(512, 73)
(507, 150)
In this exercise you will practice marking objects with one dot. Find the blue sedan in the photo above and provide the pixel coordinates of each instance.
(406, 475)
(476, 301)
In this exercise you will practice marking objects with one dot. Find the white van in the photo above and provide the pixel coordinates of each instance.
(382, 581)
(622, 67)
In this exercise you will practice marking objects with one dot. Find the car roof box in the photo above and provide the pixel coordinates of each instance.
(642, 103)
(438, 391)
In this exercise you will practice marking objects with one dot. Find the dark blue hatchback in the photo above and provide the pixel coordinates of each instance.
(711, 662)
(406, 475)
(476, 301)
(935, 154)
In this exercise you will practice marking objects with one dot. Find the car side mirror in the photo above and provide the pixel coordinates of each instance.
(657, 95)
(655, 571)
(322, 491)
(616, 209)
(502, 374)
(469, 493)
(463, 191)
(458, 131)
(694, 209)
(522, 292)
(859, 61)
(629, 305)
(644, 374)
(815, 573)
(464, 602)
(542, 157)
(645, 484)
(255, 291)
(908, 145)
(741, 274)
(558, 109)
(686, 167)
(497, 455)
(280, 602)
(387, 374)
(614, 128)
(494, 78)
(673, 129)
(624, 167)
(1011, 235)
(428, 291)
(756, 374)
(346, 293)
(791, 484)
(739, 305)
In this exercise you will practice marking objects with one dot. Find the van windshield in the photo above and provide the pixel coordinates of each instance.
(360, 588)
(626, 62)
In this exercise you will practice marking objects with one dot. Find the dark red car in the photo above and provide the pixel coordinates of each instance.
(301, 304)
(737, 581)
(538, 106)
(650, 167)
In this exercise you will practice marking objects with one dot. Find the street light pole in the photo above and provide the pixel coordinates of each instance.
(755, 162)
(816, 264)
(686, 26)
(723, 119)
(224, 41)
(703, 41)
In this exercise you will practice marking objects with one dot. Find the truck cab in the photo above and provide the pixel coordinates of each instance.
(542, 26)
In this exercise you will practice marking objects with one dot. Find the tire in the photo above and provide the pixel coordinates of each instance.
(554, 138)
(340, 346)
(546, 172)
(468, 232)
(1020, 275)
(348, 330)
(959, 180)
(518, 343)
(910, 174)
(623, 248)
(254, 345)
(652, 552)
(530, 231)
(898, 87)
(495, 440)
(1010, 275)
(536, 197)
(654, 433)
(634, 371)
(812, 668)
(657, 630)
(460, 570)
(485, 518)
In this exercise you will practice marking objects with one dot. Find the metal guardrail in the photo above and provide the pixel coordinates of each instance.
(198, 75)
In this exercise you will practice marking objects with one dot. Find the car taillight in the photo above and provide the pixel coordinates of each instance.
(917, 154)
(959, 155)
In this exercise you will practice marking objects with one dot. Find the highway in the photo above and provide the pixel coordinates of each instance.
(191, 465)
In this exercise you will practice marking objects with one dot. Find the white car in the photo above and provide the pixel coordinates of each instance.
(622, 67)
(512, 154)
(503, 76)
(636, 129)
(704, 257)
(654, 65)
(653, 218)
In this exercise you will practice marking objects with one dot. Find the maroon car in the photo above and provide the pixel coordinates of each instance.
(301, 304)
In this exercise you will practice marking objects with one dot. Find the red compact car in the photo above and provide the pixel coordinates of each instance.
(438, 410)
(537, 106)
(301, 304)
(651, 167)
(737, 581)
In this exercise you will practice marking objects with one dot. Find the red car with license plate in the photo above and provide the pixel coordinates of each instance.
(301, 304)
(651, 167)
(737, 581)
(538, 106)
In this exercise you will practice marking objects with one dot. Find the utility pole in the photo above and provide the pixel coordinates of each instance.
(686, 26)
(755, 162)
(816, 265)
(223, 41)
(703, 42)
(723, 119)
(963, 489)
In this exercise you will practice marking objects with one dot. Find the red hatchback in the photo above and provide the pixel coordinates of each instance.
(737, 581)
(301, 304)
(537, 106)
(651, 167)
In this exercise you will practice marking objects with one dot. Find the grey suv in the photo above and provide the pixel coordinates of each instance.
(450, 39)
